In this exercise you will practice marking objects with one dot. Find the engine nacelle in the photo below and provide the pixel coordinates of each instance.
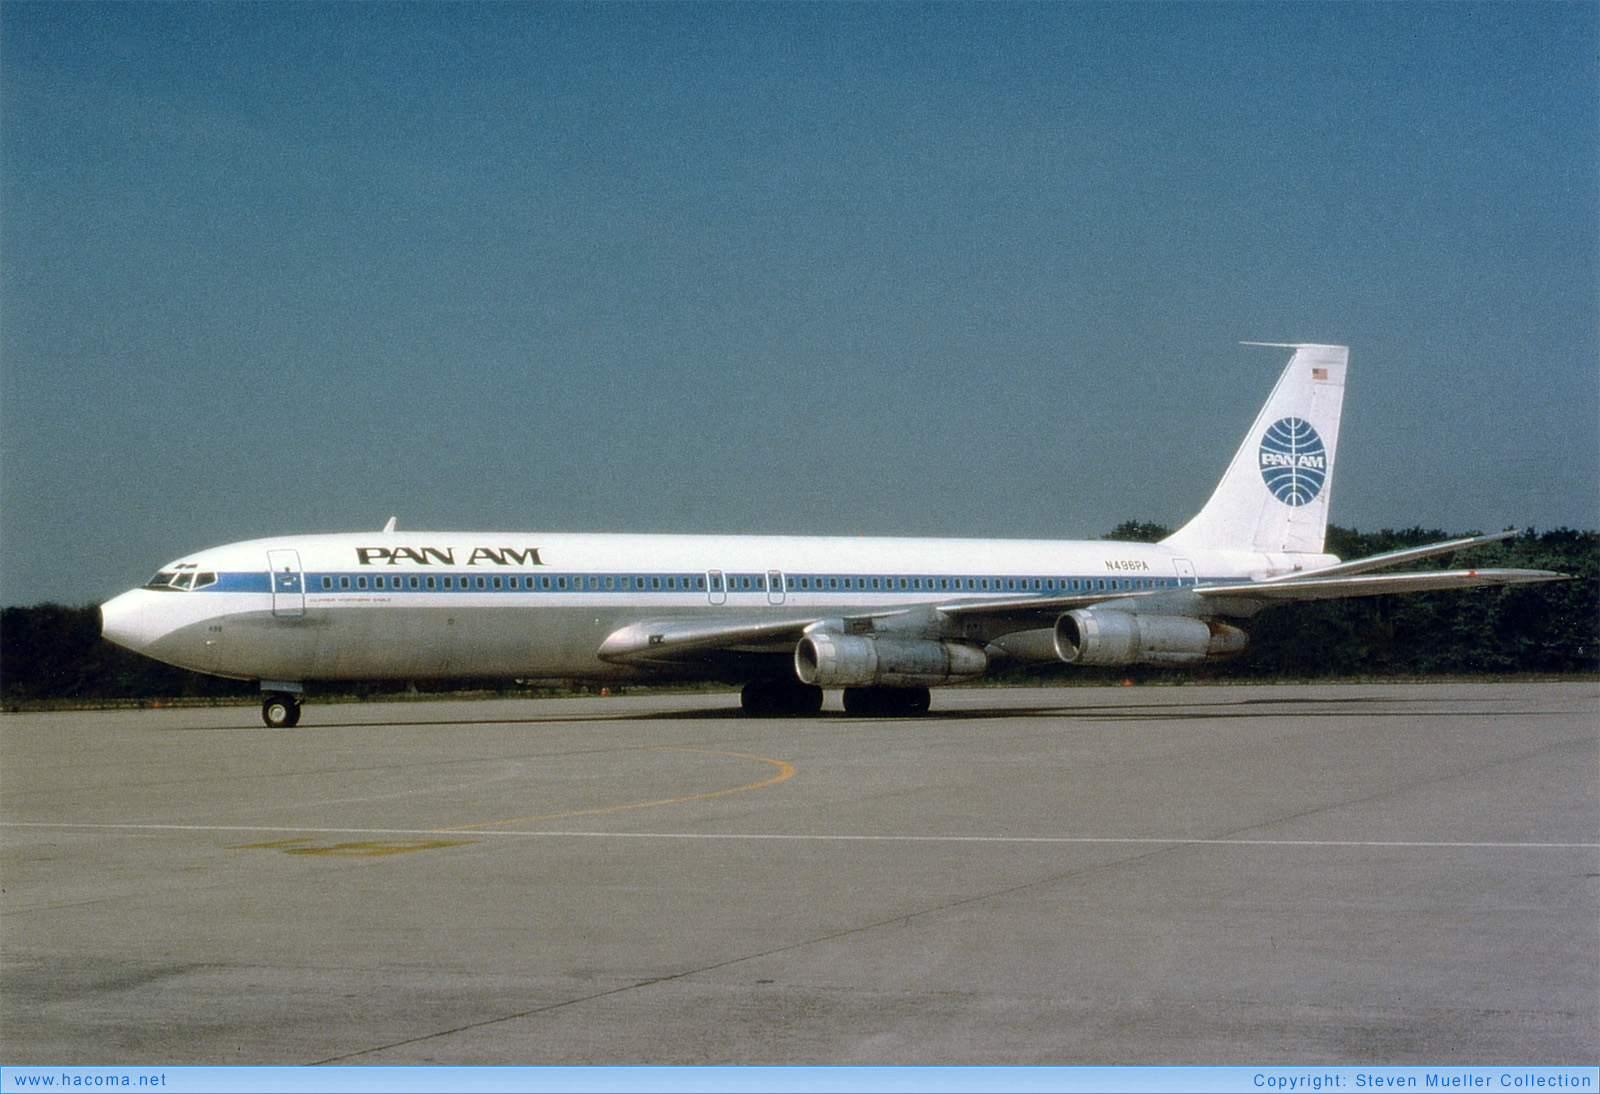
(853, 661)
(1096, 637)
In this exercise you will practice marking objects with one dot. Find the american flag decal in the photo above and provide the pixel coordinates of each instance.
(1319, 374)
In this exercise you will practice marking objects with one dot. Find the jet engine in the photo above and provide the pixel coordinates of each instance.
(1100, 637)
(852, 661)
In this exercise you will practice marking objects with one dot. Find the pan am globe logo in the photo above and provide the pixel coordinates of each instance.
(1294, 464)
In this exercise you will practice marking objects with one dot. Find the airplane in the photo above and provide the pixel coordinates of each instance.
(785, 616)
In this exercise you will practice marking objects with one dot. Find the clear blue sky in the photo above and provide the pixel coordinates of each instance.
(884, 269)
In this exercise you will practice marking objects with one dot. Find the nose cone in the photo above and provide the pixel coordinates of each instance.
(127, 621)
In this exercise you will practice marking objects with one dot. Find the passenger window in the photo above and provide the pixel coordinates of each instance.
(327, 583)
(361, 583)
(431, 582)
(413, 582)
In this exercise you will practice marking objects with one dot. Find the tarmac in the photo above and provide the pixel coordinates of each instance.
(1343, 874)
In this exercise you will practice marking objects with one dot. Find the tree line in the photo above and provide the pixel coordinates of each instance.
(51, 651)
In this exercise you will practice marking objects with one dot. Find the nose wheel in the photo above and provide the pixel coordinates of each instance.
(280, 710)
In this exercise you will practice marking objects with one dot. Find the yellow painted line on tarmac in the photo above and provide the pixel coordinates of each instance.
(354, 848)
(784, 771)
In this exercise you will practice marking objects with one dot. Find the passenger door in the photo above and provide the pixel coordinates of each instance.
(288, 584)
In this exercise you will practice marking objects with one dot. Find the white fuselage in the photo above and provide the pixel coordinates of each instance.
(883, 619)
(414, 606)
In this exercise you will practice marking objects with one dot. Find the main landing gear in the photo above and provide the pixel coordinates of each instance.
(780, 699)
(280, 710)
(886, 702)
(792, 699)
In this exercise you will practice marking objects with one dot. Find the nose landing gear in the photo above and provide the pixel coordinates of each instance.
(280, 710)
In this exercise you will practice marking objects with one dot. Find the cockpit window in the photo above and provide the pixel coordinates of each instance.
(169, 581)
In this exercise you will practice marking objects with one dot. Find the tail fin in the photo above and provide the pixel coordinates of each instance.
(1274, 497)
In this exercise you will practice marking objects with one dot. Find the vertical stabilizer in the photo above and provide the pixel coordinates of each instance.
(1274, 497)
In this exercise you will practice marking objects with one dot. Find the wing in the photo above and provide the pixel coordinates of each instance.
(669, 641)
(666, 641)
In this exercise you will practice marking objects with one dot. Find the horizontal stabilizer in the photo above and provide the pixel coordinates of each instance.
(1317, 587)
(1404, 555)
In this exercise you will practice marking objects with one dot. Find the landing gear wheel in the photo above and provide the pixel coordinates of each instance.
(780, 699)
(280, 711)
(886, 702)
